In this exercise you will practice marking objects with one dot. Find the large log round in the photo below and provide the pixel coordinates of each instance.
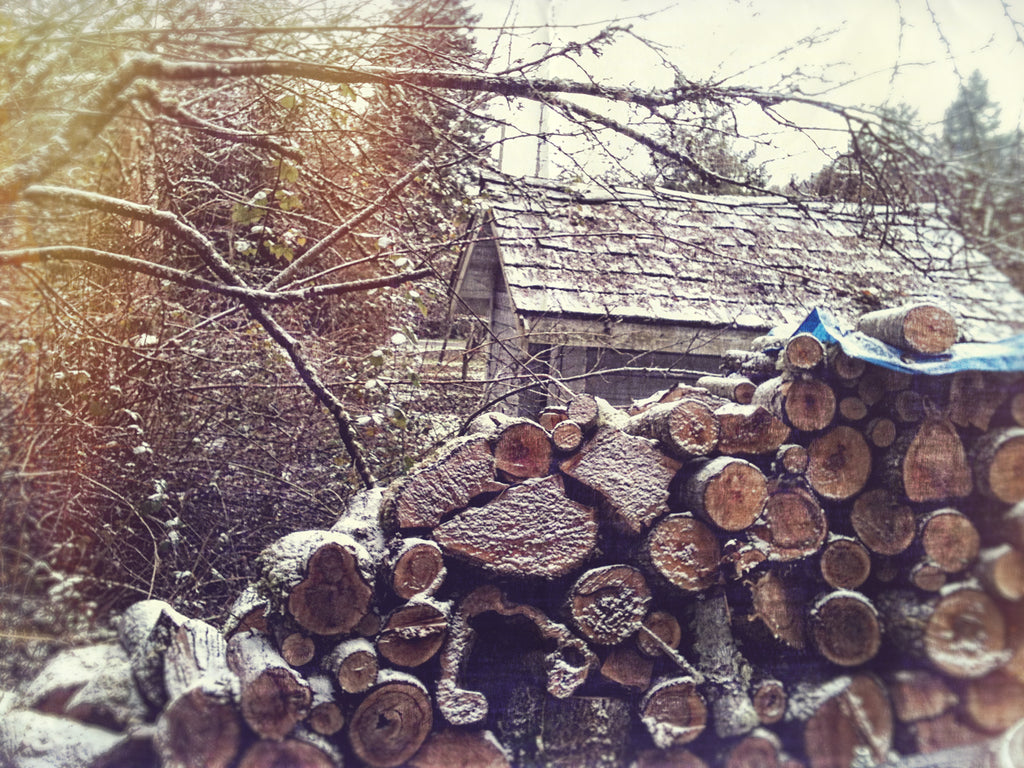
(839, 463)
(391, 723)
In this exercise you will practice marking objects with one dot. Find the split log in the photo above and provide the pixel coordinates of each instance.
(727, 491)
(790, 459)
(723, 666)
(567, 437)
(608, 604)
(1000, 569)
(659, 629)
(567, 665)
(845, 563)
(417, 568)
(749, 430)
(628, 668)
(769, 699)
(532, 529)
(920, 328)
(802, 352)
(31, 739)
(323, 579)
(855, 717)
(584, 732)
(453, 748)
(793, 523)
(274, 697)
(919, 694)
(738, 389)
(930, 463)
(289, 752)
(684, 428)
(353, 663)
(414, 632)
(777, 609)
(391, 723)
(994, 702)
(684, 551)
(464, 469)
(629, 472)
(880, 432)
(145, 630)
(883, 524)
(949, 539)
(807, 404)
(325, 715)
(998, 461)
(844, 627)
(960, 632)
(674, 712)
(839, 463)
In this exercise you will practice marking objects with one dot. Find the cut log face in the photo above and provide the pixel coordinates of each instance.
(995, 702)
(608, 604)
(533, 529)
(523, 450)
(845, 563)
(199, 727)
(807, 404)
(453, 748)
(685, 428)
(918, 694)
(883, 524)
(933, 467)
(791, 458)
(414, 632)
(974, 398)
(769, 699)
(857, 719)
(966, 635)
(845, 629)
(749, 430)
(628, 668)
(839, 463)
(290, 752)
(1001, 571)
(391, 723)
(999, 464)
(417, 568)
(354, 665)
(665, 629)
(584, 411)
(921, 328)
(674, 712)
(685, 551)
(803, 351)
(567, 436)
(949, 539)
(880, 432)
(728, 492)
(739, 389)
(629, 472)
(793, 523)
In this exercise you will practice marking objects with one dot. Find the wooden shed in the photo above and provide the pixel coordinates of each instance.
(570, 281)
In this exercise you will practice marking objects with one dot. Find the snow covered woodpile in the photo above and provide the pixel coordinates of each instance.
(807, 561)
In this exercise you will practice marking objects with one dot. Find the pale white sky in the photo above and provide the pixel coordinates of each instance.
(874, 52)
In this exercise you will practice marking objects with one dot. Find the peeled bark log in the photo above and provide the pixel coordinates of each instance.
(628, 668)
(845, 563)
(417, 568)
(464, 470)
(1001, 571)
(883, 524)
(728, 492)
(685, 428)
(769, 699)
(684, 551)
(857, 718)
(932, 466)
(567, 437)
(608, 604)
(453, 748)
(533, 529)
(749, 430)
(807, 404)
(844, 627)
(323, 579)
(274, 697)
(918, 694)
(659, 628)
(629, 472)
(803, 351)
(414, 632)
(994, 702)
(674, 712)
(353, 663)
(961, 632)
(920, 328)
(391, 723)
(839, 463)
(739, 389)
(793, 523)
(998, 461)
(567, 665)
(949, 539)
(290, 752)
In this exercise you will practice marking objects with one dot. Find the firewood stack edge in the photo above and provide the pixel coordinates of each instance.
(805, 561)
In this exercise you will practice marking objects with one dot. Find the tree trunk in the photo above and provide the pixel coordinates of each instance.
(757, 366)
(608, 604)
(413, 633)
(845, 563)
(392, 721)
(920, 328)
(684, 428)
(839, 463)
(844, 627)
(145, 631)
(584, 732)
(684, 551)
(674, 712)
(417, 568)
(949, 539)
(353, 663)
(728, 492)
(274, 697)
(998, 460)
(807, 404)
(932, 466)
(533, 529)
(37, 740)
(883, 524)
(739, 389)
(793, 523)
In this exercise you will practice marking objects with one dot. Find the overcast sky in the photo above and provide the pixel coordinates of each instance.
(871, 52)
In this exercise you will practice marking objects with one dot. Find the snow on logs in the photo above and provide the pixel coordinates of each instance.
(804, 561)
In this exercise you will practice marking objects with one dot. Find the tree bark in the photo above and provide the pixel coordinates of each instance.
(844, 627)
(414, 632)
(584, 732)
(391, 723)
(920, 328)
(145, 631)
(674, 712)
(37, 740)
(608, 604)
(354, 664)
(757, 366)
(684, 428)
(807, 403)
(274, 697)
(883, 524)
(998, 460)
(684, 551)
(417, 568)
(949, 539)
(845, 563)
(584, 411)
(532, 529)
(727, 491)
(839, 463)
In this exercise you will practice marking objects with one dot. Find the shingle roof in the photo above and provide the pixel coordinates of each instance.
(740, 261)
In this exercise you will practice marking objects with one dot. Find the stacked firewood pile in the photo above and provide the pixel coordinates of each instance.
(810, 561)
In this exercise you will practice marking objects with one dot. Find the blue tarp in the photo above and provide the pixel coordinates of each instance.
(1006, 355)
